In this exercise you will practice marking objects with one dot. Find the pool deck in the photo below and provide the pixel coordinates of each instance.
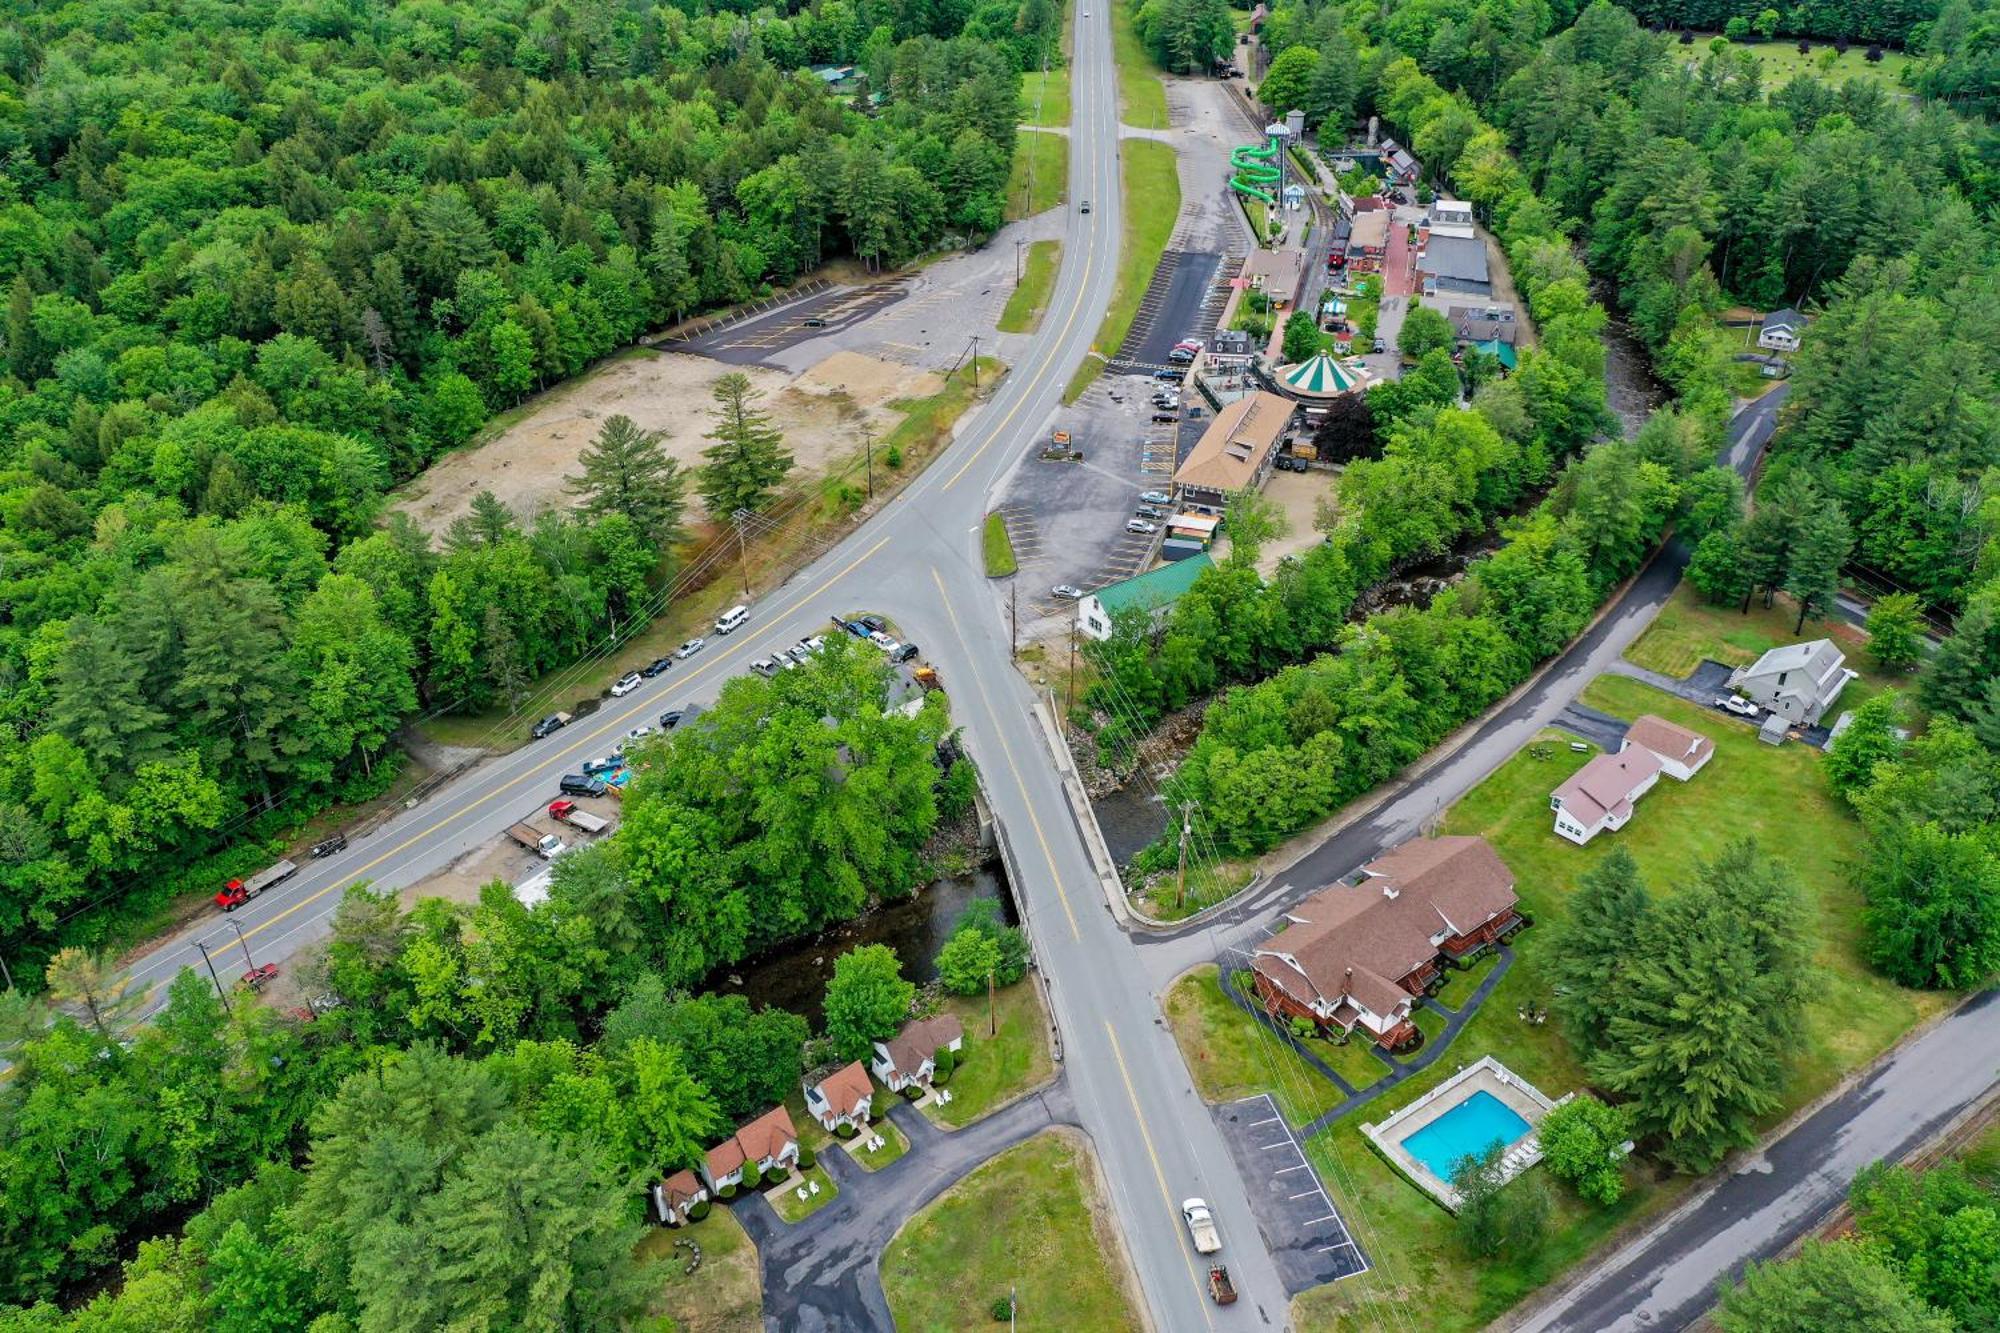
(1484, 1075)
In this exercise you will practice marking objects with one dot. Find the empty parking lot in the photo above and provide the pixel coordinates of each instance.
(1303, 1230)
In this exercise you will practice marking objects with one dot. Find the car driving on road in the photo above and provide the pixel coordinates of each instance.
(626, 684)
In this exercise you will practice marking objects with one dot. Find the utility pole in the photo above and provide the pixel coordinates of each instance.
(248, 961)
(1069, 690)
(1017, 261)
(975, 358)
(220, 993)
(868, 453)
(742, 548)
(1180, 890)
(1013, 620)
(992, 1023)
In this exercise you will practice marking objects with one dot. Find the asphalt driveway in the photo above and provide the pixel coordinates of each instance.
(1303, 1230)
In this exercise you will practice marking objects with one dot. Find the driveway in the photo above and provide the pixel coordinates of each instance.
(1300, 1225)
(823, 1274)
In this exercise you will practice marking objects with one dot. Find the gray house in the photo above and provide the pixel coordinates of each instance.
(1798, 682)
(1455, 264)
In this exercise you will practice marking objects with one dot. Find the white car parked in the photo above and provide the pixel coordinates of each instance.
(1738, 705)
(1140, 525)
(690, 648)
(626, 684)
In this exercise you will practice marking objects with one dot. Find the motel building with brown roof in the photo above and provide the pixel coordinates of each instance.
(1235, 451)
(770, 1141)
(1355, 956)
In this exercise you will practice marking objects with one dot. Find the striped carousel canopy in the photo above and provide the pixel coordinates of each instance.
(1322, 377)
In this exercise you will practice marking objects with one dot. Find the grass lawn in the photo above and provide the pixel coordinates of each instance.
(1142, 98)
(900, 456)
(1231, 1057)
(993, 1071)
(1690, 628)
(1207, 884)
(1458, 986)
(1353, 1060)
(1045, 97)
(785, 1202)
(1429, 1021)
(726, 1294)
(894, 1145)
(1031, 294)
(1030, 1220)
(1775, 795)
(1040, 174)
(1152, 200)
(1782, 62)
(999, 547)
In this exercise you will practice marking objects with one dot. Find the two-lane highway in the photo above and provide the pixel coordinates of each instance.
(918, 561)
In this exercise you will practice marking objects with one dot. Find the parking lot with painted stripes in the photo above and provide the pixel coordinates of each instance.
(1305, 1233)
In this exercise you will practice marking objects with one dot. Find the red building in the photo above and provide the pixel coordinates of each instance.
(1358, 953)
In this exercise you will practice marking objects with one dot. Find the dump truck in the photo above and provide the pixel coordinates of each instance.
(1201, 1226)
(570, 814)
(240, 891)
(545, 845)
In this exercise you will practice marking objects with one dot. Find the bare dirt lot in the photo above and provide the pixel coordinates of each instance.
(820, 413)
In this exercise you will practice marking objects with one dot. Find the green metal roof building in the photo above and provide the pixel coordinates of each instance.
(1155, 590)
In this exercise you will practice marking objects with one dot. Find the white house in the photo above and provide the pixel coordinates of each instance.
(770, 1141)
(1798, 682)
(1681, 752)
(675, 1196)
(910, 1056)
(1782, 330)
(1602, 793)
(1154, 592)
(842, 1097)
(1451, 217)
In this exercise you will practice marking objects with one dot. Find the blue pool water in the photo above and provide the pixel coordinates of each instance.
(1466, 1130)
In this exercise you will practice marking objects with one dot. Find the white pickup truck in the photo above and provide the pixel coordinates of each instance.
(1201, 1226)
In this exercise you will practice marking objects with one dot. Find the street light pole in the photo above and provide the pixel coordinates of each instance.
(248, 961)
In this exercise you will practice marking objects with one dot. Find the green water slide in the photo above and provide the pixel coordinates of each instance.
(1255, 171)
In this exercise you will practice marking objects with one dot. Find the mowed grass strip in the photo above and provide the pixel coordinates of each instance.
(1024, 310)
(1045, 97)
(1152, 201)
(1142, 98)
(993, 1071)
(1230, 1058)
(1029, 1221)
(999, 547)
(1039, 177)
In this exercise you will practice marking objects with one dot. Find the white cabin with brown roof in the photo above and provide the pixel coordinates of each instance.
(1603, 793)
(770, 1141)
(911, 1055)
(1682, 753)
(675, 1197)
(842, 1097)
(1356, 955)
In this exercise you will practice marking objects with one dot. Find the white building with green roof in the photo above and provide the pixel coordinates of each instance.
(1156, 591)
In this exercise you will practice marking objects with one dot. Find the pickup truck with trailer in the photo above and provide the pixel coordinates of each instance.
(545, 845)
(240, 891)
(1201, 1226)
(568, 813)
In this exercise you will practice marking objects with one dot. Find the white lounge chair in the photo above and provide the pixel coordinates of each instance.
(813, 1185)
(801, 1192)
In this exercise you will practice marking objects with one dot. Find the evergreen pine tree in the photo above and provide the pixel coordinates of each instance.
(748, 458)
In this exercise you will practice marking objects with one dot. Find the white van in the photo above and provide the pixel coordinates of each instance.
(732, 619)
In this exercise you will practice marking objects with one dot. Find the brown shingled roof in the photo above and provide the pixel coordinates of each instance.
(1604, 786)
(767, 1135)
(1668, 740)
(1361, 940)
(846, 1088)
(920, 1039)
(681, 1188)
(1233, 448)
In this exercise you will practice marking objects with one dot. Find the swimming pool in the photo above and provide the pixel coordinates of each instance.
(1466, 1130)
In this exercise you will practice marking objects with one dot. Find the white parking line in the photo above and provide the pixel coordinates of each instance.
(1269, 1121)
(1300, 1167)
(1330, 1217)
(1305, 1194)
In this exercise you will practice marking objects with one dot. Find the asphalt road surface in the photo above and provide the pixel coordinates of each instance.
(918, 562)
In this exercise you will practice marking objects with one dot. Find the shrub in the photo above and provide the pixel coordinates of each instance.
(753, 1176)
(844, 1131)
(700, 1210)
(806, 1158)
(946, 1061)
(894, 458)
(727, 1192)
(940, 1078)
(1003, 1309)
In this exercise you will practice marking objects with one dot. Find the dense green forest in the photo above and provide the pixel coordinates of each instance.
(262, 261)
(1856, 20)
(552, 1057)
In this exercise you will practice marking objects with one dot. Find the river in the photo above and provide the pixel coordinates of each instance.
(1629, 384)
(794, 976)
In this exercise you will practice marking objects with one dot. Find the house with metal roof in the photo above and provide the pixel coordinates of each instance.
(1155, 591)
(1455, 264)
(1798, 682)
(1782, 330)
